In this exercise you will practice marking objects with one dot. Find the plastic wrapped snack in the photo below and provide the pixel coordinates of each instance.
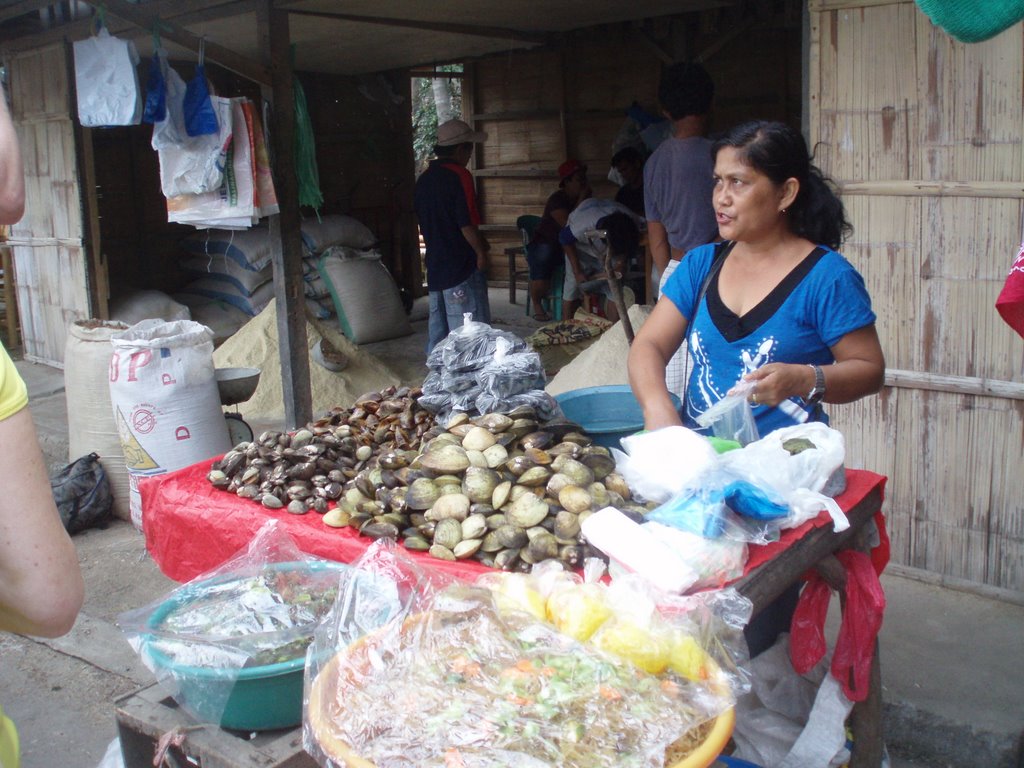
(475, 676)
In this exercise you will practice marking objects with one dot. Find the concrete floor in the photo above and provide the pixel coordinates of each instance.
(952, 660)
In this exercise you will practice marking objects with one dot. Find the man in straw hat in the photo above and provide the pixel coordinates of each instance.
(445, 203)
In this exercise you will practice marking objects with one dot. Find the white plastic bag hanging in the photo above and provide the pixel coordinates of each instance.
(107, 81)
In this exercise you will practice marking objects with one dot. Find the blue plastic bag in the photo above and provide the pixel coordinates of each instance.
(200, 119)
(155, 108)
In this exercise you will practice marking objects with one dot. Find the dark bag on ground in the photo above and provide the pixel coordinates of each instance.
(82, 493)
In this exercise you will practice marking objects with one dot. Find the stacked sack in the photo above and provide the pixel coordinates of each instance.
(231, 277)
(348, 276)
(478, 369)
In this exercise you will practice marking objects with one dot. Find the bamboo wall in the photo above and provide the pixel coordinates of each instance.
(924, 135)
(50, 260)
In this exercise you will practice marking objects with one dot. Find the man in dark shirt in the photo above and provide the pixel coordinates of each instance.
(629, 162)
(445, 203)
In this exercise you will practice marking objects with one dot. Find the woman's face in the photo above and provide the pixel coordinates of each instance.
(748, 205)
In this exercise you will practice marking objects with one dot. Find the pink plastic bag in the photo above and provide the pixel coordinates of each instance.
(862, 619)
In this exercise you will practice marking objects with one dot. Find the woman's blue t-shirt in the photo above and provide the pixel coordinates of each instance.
(828, 303)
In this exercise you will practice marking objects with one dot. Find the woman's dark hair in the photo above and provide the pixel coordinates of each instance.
(685, 88)
(780, 152)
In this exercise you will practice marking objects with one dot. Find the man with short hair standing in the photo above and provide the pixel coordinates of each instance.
(445, 202)
(678, 182)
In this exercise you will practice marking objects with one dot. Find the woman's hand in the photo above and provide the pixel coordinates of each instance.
(776, 382)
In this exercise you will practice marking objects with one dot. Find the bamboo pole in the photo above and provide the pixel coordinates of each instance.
(959, 385)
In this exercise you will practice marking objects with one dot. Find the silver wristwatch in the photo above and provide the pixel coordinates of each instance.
(817, 393)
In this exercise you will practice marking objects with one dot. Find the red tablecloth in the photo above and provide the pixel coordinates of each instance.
(191, 527)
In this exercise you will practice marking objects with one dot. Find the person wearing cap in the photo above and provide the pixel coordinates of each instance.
(445, 203)
(544, 252)
(678, 182)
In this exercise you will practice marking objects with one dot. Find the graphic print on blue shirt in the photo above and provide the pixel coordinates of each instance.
(829, 302)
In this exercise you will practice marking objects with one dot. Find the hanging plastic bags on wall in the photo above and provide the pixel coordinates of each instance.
(306, 172)
(155, 108)
(200, 115)
(189, 165)
(106, 81)
(232, 205)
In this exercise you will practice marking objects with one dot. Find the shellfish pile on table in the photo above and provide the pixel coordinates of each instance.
(501, 488)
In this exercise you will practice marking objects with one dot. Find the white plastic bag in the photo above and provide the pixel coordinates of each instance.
(112, 758)
(660, 464)
(191, 165)
(107, 81)
(788, 720)
(732, 418)
(795, 478)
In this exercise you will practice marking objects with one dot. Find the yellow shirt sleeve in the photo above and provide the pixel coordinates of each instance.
(13, 394)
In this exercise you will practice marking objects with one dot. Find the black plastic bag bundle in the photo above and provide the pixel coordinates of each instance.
(82, 493)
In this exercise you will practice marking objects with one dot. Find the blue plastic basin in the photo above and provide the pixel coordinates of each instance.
(607, 413)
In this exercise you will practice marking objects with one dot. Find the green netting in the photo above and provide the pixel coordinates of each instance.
(306, 173)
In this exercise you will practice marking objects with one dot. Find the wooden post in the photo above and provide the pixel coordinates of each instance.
(285, 235)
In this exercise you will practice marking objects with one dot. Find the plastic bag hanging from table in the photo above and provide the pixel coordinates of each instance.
(200, 117)
(862, 619)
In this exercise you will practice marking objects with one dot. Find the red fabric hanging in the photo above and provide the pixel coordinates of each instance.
(1010, 303)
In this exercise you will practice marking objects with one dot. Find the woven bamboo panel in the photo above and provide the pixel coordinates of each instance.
(518, 81)
(897, 105)
(49, 258)
(521, 144)
(972, 110)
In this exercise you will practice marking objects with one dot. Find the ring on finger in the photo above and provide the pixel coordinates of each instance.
(753, 397)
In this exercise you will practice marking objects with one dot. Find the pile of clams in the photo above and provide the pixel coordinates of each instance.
(501, 488)
(309, 468)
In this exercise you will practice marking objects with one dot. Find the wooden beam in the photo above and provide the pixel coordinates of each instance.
(274, 40)
(224, 57)
(649, 42)
(517, 173)
(181, 11)
(957, 385)
(432, 26)
(710, 50)
(920, 188)
(20, 8)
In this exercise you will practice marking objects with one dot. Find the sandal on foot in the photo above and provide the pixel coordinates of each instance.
(541, 317)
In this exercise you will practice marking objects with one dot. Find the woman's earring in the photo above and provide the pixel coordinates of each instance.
(784, 211)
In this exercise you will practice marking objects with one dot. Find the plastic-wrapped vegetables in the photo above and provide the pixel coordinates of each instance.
(479, 369)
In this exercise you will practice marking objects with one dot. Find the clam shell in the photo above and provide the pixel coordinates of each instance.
(511, 536)
(506, 559)
(579, 473)
(422, 494)
(448, 533)
(379, 530)
(457, 418)
(599, 495)
(613, 481)
(494, 422)
(495, 456)
(556, 483)
(417, 543)
(501, 493)
(447, 458)
(479, 484)
(270, 501)
(298, 507)
(476, 458)
(575, 499)
(517, 465)
(490, 542)
(441, 553)
(451, 505)
(540, 439)
(535, 477)
(567, 525)
(478, 439)
(527, 511)
(496, 520)
(474, 527)
(521, 427)
(466, 548)
(336, 518)
(543, 547)
(600, 464)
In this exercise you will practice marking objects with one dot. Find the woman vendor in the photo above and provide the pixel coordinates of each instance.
(773, 304)
(544, 252)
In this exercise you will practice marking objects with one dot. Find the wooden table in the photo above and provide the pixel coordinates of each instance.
(178, 508)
